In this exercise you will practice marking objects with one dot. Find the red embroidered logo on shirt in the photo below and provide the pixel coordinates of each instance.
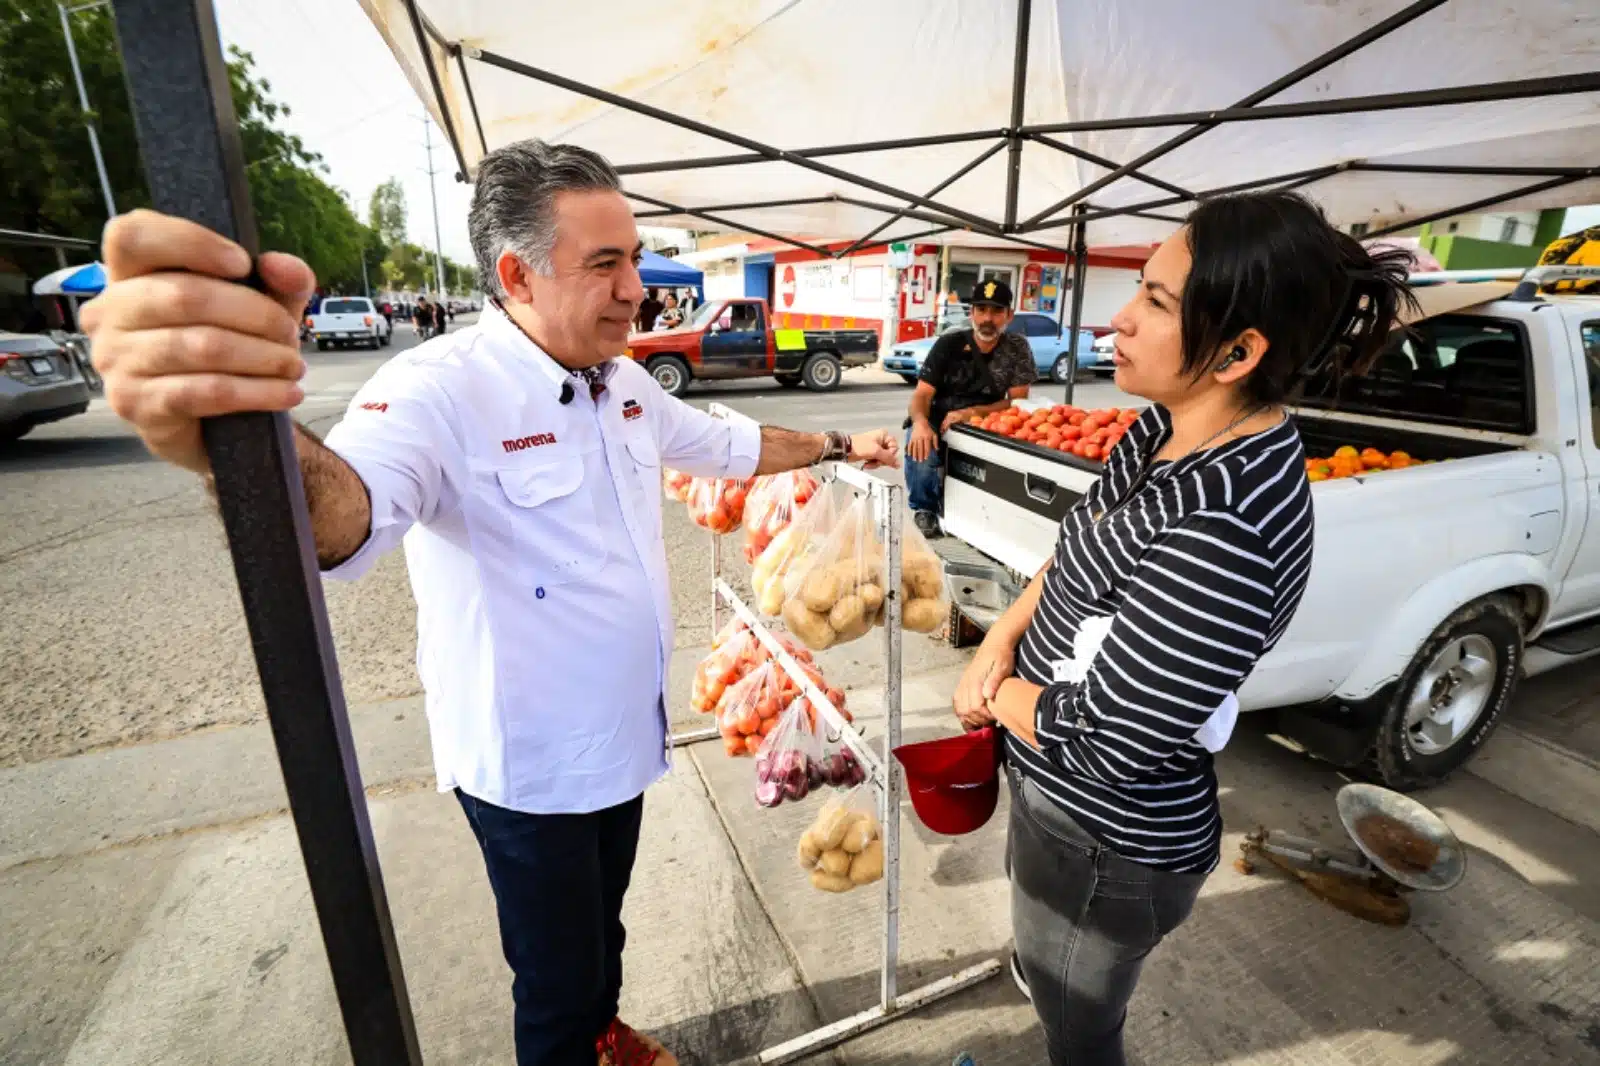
(375, 407)
(631, 410)
(524, 443)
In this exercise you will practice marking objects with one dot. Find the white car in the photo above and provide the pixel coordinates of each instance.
(1105, 350)
(349, 322)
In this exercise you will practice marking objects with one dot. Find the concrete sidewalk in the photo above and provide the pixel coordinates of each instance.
(153, 910)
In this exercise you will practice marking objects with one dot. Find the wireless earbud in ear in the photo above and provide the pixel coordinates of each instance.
(1232, 357)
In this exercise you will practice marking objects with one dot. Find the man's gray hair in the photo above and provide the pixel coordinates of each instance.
(513, 201)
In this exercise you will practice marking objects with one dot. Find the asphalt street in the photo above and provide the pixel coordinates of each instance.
(121, 608)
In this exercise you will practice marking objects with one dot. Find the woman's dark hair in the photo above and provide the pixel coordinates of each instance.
(1270, 261)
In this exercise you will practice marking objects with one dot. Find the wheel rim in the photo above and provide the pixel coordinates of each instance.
(824, 373)
(1059, 371)
(668, 377)
(1449, 697)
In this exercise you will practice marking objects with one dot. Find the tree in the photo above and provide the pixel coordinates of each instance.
(386, 212)
(47, 174)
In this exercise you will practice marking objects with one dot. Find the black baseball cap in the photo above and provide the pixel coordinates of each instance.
(994, 292)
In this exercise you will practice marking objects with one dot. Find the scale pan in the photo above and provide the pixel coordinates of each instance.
(1402, 838)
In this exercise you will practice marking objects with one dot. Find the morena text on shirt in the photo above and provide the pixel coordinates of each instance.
(520, 444)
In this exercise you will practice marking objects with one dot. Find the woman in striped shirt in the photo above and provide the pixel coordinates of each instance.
(1114, 674)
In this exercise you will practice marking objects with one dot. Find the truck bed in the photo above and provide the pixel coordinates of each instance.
(1007, 497)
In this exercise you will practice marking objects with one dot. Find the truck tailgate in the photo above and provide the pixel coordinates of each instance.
(1007, 498)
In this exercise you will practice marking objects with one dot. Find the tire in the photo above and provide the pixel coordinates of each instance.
(1061, 368)
(386, 340)
(1471, 665)
(788, 381)
(671, 373)
(322, 346)
(821, 373)
(909, 379)
(12, 431)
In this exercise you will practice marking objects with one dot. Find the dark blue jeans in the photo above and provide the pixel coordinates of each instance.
(558, 883)
(925, 480)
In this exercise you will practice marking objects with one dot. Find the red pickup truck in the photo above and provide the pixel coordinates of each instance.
(740, 339)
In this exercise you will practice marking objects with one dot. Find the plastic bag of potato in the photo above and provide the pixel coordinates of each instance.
(794, 544)
(843, 849)
(836, 592)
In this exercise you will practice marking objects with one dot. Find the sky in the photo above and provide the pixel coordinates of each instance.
(351, 104)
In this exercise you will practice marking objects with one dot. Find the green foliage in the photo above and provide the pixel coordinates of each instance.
(48, 181)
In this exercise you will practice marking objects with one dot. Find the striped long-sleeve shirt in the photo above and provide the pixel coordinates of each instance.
(1200, 570)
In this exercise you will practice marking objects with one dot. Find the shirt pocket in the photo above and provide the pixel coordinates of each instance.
(644, 474)
(543, 521)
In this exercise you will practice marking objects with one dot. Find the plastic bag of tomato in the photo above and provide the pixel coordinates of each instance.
(1088, 434)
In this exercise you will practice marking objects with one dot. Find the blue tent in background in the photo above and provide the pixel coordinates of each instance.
(657, 271)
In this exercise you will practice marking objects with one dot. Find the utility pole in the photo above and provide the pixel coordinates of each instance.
(366, 290)
(83, 98)
(433, 191)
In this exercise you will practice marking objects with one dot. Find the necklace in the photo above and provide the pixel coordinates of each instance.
(1138, 482)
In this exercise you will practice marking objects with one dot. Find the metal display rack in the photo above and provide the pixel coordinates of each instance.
(883, 773)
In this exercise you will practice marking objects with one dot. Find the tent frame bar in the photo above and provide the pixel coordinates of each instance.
(1011, 137)
(1488, 201)
(1102, 161)
(424, 30)
(767, 150)
(720, 221)
(982, 158)
(472, 99)
(748, 205)
(1382, 29)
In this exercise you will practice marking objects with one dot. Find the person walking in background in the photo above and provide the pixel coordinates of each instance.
(648, 310)
(671, 316)
(1114, 675)
(519, 461)
(439, 318)
(422, 318)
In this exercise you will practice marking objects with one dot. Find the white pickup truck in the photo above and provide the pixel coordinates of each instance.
(349, 321)
(1434, 588)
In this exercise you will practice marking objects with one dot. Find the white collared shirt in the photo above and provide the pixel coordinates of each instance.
(532, 531)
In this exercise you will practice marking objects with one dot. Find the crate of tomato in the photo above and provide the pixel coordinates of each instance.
(1087, 434)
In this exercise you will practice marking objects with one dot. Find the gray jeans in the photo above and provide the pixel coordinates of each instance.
(1084, 919)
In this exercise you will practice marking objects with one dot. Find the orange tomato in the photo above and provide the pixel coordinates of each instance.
(733, 745)
(1316, 475)
(1092, 452)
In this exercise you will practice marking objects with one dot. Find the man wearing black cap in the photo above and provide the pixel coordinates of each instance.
(968, 372)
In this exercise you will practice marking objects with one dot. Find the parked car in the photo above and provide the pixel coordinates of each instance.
(1044, 335)
(734, 339)
(41, 383)
(349, 321)
(1105, 350)
(1434, 588)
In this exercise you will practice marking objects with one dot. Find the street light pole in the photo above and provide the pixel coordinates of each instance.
(83, 99)
(433, 191)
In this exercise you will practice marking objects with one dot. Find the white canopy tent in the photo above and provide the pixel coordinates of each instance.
(991, 121)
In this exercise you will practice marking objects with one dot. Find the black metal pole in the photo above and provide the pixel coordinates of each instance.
(472, 100)
(1080, 275)
(1401, 18)
(1488, 201)
(189, 138)
(987, 228)
(1470, 171)
(1292, 180)
(1019, 96)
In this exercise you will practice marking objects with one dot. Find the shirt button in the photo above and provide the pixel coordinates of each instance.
(1082, 723)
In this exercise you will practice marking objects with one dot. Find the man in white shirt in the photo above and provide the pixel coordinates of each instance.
(519, 463)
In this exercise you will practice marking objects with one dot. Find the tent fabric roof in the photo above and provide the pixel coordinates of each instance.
(657, 269)
(800, 74)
